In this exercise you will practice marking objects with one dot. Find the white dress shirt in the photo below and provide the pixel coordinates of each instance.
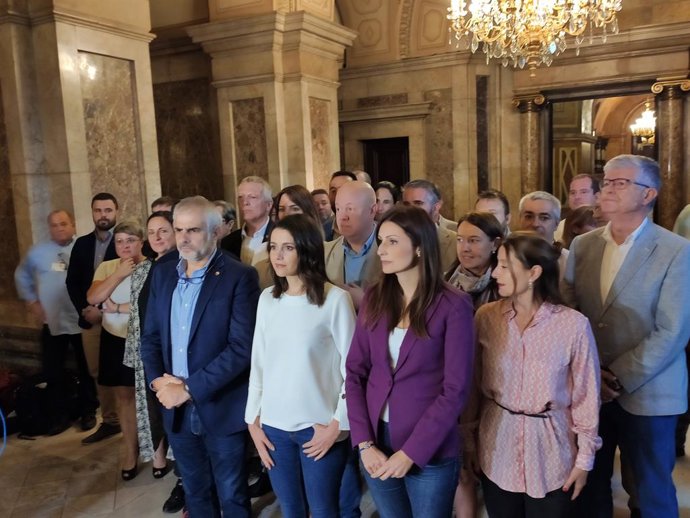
(253, 247)
(614, 255)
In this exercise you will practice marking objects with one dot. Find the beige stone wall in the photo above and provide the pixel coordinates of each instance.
(229, 9)
(403, 49)
(639, 13)
(432, 101)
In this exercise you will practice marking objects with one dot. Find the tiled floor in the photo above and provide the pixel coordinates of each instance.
(58, 477)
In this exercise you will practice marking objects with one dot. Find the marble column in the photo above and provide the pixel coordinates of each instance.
(76, 118)
(532, 175)
(670, 146)
(276, 76)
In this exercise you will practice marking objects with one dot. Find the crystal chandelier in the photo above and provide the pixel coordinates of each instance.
(645, 125)
(530, 32)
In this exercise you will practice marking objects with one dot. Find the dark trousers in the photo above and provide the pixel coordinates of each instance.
(350, 495)
(506, 504)
(206, 459)
(647, 448)
(54, 349)
(683, 420)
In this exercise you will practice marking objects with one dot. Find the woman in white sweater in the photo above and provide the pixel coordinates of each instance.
(296, 406)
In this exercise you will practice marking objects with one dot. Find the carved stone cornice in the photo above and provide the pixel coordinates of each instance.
(99, 24)
(671, 88)
(288, 31)
(402, 111)
(529, 103)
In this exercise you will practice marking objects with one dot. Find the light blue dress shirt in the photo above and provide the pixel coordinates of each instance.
(354, 262)
(184, 301)
(41, 276)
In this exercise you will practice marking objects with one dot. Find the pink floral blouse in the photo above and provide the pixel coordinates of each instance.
(550, 372)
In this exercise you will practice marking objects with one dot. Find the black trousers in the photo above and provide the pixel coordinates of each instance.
(506, 504)
(54, 349)
(683, 420)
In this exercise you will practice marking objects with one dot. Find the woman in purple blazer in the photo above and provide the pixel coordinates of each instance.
(409, 372)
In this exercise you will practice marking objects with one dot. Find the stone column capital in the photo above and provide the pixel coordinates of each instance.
(671, 88)
(533, 102)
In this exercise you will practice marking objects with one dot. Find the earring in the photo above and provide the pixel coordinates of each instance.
(530, 284)
(419, 253)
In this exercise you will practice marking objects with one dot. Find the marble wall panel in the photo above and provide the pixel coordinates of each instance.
(249, 129)
(9, 258)
(188, 142)
(320, 141)
(438, 128)
(112, 134)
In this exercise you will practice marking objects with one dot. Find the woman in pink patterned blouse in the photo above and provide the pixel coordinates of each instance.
(539, 383)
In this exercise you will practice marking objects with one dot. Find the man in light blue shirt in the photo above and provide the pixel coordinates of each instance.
(196, 349)
(40, 280)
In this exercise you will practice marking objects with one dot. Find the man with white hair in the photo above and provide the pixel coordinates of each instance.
(196, 349)
(631, 278)
(540, 212)
(254, 201)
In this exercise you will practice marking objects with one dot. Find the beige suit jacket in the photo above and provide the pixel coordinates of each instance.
(449, 224)
(447, 239)
(335, 263)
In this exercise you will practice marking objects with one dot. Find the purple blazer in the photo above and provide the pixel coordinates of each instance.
(427, 390)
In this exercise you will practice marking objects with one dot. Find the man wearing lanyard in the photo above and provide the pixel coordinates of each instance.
(40, 280)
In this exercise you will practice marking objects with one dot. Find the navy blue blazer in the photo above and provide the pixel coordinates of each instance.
(220, 341)
(80, 271)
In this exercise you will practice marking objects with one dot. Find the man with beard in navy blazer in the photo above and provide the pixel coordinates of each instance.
(196, 350)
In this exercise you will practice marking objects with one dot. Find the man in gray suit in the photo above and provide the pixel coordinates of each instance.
(632, 280)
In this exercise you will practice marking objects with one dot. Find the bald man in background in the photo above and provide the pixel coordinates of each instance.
(351, 260)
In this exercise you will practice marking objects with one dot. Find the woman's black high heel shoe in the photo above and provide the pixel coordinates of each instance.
(129, 474)
(160, 472)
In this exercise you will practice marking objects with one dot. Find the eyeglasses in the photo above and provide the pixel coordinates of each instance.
(128, 241)
(620, 183)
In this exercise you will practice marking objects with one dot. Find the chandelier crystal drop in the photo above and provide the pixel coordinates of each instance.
(530, 32)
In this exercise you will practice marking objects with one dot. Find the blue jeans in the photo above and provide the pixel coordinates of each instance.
(647, 445)
(424, 492)
(291, 467)
(351, 486)
(205, 458)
